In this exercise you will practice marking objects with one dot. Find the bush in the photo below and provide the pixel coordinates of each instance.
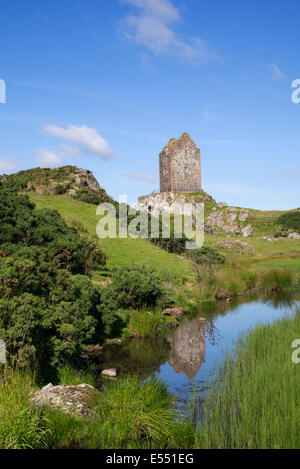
(49, 330)
(290, 220)
(206, 256)
(48, 308)
(132, 287)
(61, 189)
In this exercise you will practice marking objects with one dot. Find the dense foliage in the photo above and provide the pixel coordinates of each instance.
(206, 256)
(92, 197)
(48, 306)
(172, 243)
(132, 287)
(290, 220)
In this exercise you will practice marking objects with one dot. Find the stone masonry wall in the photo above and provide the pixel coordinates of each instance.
(180, 166)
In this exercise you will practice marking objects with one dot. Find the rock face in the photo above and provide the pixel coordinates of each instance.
(247, 231)
(77, 400)
(235, 245)
(188, 347)
(67, 180)
(169, 202)
(294, 236)
(180, 166)
(230, 220)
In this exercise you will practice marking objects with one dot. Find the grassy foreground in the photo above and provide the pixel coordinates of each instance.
(254, 403)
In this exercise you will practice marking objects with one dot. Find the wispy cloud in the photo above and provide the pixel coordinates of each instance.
(152, 25)
(87, 138)
(7, 165)
(141, 177)
(277, 74)
(49, 158)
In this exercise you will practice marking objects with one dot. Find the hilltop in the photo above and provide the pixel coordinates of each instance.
(69, 181)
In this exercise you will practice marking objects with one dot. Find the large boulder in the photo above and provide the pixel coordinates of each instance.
(247, 231)
(76, 400)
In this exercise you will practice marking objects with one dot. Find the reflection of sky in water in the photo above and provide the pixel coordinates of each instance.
(227, 329)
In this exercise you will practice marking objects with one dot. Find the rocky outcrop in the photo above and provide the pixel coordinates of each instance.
(247, 231)
(269, 239)
(235, 245)
(170, 202)
(230, 220)
(69, 181)
(77, 400)
(294, 236)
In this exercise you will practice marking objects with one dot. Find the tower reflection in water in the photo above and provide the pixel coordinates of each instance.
(187, 346)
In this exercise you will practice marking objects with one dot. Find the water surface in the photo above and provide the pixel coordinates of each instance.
(186, 357)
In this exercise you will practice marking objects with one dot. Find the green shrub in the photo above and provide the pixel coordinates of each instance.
(61, 189)
(48, 308)
(132, 287)
(290, 220)
(206, 256)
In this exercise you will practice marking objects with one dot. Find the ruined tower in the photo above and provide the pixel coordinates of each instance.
(180, 166)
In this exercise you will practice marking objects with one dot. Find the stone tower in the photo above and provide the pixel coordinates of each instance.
(180, 166)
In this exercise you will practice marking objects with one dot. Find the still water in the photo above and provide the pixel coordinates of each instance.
(186, 357)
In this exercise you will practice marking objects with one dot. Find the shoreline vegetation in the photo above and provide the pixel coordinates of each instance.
(253, 402)
(62, 289)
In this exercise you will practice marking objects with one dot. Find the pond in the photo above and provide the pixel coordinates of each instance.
(186, 358)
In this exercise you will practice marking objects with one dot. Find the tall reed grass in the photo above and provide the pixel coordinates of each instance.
(254, 402)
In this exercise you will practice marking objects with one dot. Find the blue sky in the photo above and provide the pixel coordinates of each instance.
(104, 84)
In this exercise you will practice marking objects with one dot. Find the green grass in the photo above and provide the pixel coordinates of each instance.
(292, 263)
(120, 252)
(21, 426)
(146, 323)
(255, 403)
(131, 414)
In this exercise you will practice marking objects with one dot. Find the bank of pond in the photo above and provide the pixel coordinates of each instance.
(225, 378)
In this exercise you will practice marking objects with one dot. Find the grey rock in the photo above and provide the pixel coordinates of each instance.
(247, 231)
(109, 373)
(77, 400)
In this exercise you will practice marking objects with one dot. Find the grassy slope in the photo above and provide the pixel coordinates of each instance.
(119, 251)
(284, 253)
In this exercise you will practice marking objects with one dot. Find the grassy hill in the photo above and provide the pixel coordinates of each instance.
(119, 251)
(75, 193)
(283, 253)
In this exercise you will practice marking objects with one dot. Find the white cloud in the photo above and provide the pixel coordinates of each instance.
(7, 165)
(54, 158)
(141, 177)
(276, 72)
(49, 158)
(152, 26)
(69, 150)
(89, 139)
